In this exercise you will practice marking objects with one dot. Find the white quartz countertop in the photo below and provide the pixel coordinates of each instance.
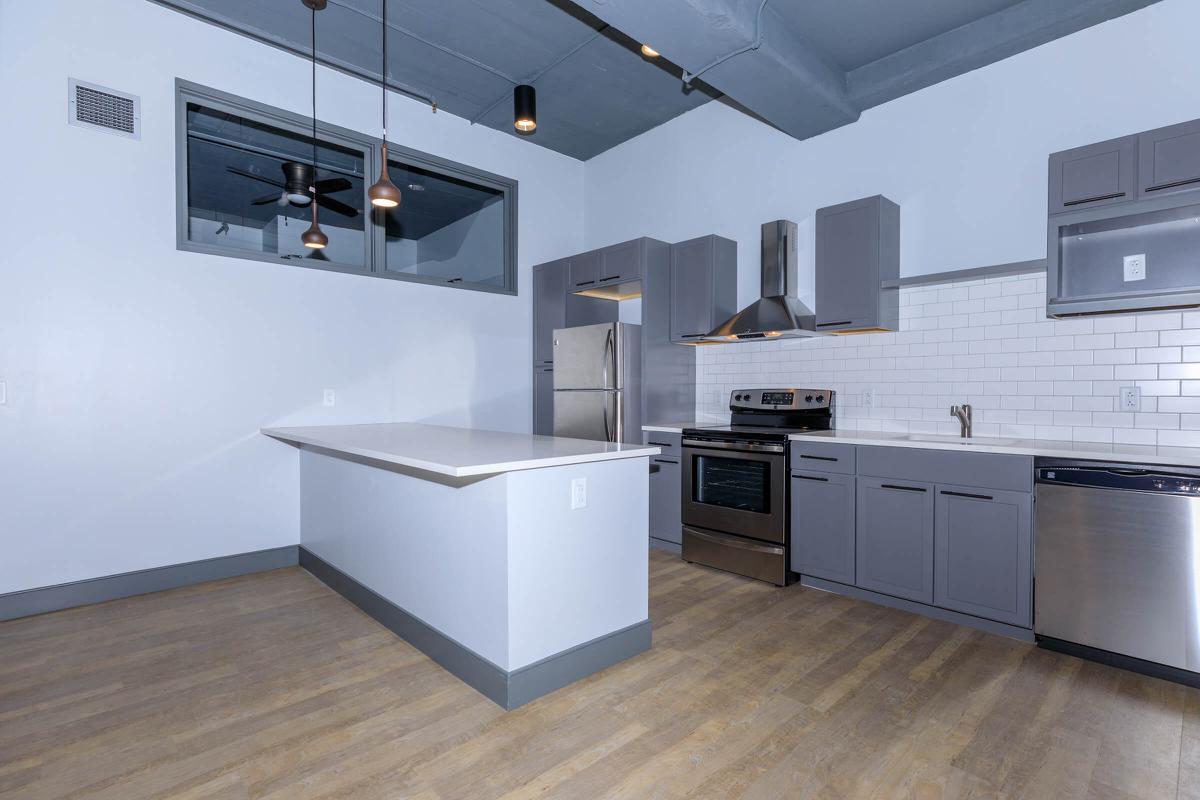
(677, 427)
(457, 452)
(1132, 453)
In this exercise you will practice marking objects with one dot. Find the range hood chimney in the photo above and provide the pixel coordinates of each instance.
(777, 314)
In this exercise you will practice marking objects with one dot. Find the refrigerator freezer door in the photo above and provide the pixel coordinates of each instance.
(588, 415)
(587, 357)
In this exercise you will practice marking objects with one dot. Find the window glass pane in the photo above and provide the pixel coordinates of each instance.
(445, 228)
(239, 194)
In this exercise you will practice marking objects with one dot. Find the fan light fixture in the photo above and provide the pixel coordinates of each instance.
(314, 238)
(525, 109)
(384, 193)
(649, 52)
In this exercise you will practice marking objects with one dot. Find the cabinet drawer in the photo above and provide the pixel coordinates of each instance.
(669, 442)
(823, 457)
(988, 470)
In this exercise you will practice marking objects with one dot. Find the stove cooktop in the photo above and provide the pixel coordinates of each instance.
(771, 414)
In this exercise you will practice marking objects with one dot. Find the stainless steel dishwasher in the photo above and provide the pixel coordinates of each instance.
(1117, 565)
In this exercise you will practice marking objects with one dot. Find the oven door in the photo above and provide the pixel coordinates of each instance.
(735, 490)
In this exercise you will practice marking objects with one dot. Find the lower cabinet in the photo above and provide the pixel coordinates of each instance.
(895, 538)
(665, 501)
(982, 553)
(543, 401)
(823, 525)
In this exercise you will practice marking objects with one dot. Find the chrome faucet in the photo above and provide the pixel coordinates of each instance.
(963, 415)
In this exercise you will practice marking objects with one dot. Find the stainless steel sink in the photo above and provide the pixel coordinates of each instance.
(974, 441)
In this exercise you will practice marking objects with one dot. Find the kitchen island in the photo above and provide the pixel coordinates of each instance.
(517, 562)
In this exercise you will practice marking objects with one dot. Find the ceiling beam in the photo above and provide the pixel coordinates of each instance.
(762, 64)
(987, 40)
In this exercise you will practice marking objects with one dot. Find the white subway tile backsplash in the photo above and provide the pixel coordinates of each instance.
(987, 342)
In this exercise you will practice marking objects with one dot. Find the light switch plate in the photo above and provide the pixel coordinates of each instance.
(578, 493)
(1131, 398)
(3, 393)
(330, 397)
(1135, 267)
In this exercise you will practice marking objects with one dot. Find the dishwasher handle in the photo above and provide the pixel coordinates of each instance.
(1121, 477)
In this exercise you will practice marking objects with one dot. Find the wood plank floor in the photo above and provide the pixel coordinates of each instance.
(272, 686)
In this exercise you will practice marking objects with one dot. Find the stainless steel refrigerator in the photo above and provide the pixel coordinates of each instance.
(598, 382)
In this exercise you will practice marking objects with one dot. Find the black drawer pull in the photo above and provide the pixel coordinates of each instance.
(660, 444)
(610, 278)
(827, 324)
(820, 458)
(664, 461)
(902, 488)
(1171, 185)
(968, 494)
(1112, 196)
(811, 478)
(585, 283)
(692, 335)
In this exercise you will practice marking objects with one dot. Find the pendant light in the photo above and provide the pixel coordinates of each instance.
(525, 109)
(314, 238)
(383, 193)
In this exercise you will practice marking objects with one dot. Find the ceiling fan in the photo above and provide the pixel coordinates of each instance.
(294, 186)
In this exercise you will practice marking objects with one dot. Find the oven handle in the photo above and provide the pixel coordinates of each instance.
(751, 447)
(729, 541)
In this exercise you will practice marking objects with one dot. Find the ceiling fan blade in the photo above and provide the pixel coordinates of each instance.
(328, 185)
(336, 206)
(273, 197)
(252, 176)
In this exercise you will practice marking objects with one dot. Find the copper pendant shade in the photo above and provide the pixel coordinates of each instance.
(314, 238)
(383, 193)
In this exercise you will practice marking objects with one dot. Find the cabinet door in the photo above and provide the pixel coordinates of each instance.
(665, 501)
(1169, 160)
(692, 289)
(847, 273)
(621, 262)
(543, 401)
(823, 525)
(584, 270)
(894, 541)
(982, 555)
(1098, 174)
(549, 307)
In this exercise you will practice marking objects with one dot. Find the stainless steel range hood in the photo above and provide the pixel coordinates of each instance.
(777, 314)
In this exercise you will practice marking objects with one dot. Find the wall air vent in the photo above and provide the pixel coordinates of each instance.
(92, 106)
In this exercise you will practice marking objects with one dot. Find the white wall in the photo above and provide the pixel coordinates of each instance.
(138, 375)
(965, 159)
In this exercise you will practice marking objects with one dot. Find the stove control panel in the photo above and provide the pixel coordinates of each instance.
(780, 399)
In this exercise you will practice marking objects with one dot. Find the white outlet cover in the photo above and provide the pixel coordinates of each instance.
(3, 393)
(1135, 267)
(1131, 398)
(578, 493)
(330, 397)
(868, 398)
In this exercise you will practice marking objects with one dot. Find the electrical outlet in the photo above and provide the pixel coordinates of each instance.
(330, 397)
(1131, 398)
(868, 398)
(1135, 267)
(578, 493)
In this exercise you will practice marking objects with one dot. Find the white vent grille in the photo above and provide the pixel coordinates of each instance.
(92, 106)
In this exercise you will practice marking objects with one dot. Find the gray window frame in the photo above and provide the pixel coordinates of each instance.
(374, 251)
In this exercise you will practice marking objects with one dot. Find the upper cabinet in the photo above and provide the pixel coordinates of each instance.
(584, 270)
(1095, 175)
(1121, 231)
(610, 273)
(703, 286)
(858, 251)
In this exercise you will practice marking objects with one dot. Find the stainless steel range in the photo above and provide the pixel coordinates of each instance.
(735, 477)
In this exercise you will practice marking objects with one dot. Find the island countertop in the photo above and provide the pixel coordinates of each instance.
(456, 452)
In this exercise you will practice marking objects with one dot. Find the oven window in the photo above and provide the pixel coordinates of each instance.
(732, 483)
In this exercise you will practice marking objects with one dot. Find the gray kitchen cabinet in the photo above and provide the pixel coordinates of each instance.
(982, 553)
(666, 504)
(621, 263)
(823, 511)
(1094, 175)
(703, 286)
(857, 251)
(1169, 160)
(894, 538)
(543, 400)
(584, 270)
(549, 307)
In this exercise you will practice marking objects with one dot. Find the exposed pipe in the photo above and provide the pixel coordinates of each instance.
(757, 43)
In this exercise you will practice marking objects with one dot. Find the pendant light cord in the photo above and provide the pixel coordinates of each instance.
(383, 74)
(314, 112)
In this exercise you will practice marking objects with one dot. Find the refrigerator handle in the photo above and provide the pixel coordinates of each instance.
(609, 357)
(607, 432)
(619, 421)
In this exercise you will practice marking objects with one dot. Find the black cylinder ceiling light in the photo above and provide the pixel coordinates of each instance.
(314, 238)
(525, 109)
(383, 193)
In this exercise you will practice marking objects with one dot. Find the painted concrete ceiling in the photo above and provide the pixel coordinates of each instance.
(805, 67)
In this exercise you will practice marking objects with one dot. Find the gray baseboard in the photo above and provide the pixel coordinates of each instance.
(506, 689)
(663, 544)
(991, 626)
(128, 584)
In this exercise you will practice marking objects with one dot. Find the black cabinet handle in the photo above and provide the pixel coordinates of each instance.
(902, 488)
(585, 283)
(819, 458)
(968, 494)
(1112, 196)
(692, 335)
(660, 444)
(811, 478)
(827, 324)
(664, 461)
(610, 278)
(1171, 185)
